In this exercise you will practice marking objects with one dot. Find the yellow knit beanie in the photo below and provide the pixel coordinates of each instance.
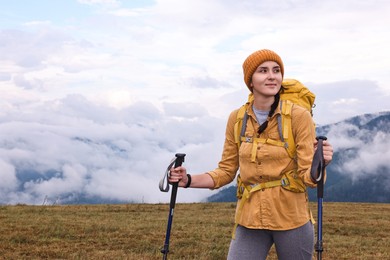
(255, 59)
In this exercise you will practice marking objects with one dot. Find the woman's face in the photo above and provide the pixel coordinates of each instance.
(267, 79)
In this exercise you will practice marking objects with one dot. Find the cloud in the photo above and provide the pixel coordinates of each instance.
(99, 2)
(126, 12)
(371, 159)
(362, 145)
(69, 179)
(345, 101)
(346, 136)
(185, 110)
(30, 50)
(38, 23)
(206, 82)
(8, 177)
(72, 147)
(22, 82)
(5, 76)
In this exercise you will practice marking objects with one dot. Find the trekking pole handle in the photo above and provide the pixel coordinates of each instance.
(178, 162)
(179, 159)
(321, 137)
(318, 164)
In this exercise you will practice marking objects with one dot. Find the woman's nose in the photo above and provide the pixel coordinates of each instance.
(271, 75)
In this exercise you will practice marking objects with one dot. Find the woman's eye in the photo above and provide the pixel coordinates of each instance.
(276, 70)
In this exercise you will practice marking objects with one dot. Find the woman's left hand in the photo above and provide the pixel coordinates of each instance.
(327, 149)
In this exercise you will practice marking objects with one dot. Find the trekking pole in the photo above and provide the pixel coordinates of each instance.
(317, 175)
(177, 162)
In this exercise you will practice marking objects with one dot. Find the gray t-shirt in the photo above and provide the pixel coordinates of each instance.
(261, 115)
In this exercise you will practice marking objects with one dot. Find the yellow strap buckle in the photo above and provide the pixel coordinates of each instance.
(284, 182)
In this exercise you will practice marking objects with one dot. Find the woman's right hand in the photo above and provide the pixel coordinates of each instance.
(178, 174)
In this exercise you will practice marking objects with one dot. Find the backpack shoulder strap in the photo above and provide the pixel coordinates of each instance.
(242, 118)
(285, 127)
(240, 125)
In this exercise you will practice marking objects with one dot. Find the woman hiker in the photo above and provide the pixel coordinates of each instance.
(271, 215)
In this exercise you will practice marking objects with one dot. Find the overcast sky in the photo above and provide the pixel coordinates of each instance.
(98, 95)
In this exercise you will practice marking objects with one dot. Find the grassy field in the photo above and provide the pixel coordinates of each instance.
(199, 231)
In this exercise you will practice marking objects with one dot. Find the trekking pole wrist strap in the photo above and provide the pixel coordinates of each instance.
(175, 162)
(188, 181)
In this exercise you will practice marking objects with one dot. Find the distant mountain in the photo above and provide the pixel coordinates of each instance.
(360, 170)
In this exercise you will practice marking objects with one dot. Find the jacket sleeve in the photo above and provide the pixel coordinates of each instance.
(304, 136)
(229, 163)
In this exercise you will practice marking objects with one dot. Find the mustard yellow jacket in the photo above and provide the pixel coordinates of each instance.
(273, 208)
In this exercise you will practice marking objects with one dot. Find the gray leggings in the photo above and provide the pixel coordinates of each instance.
(294, 244)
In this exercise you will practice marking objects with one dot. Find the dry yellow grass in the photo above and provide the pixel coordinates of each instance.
(199, 231)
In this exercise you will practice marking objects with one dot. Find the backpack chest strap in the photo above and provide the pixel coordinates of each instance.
(265, 185)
